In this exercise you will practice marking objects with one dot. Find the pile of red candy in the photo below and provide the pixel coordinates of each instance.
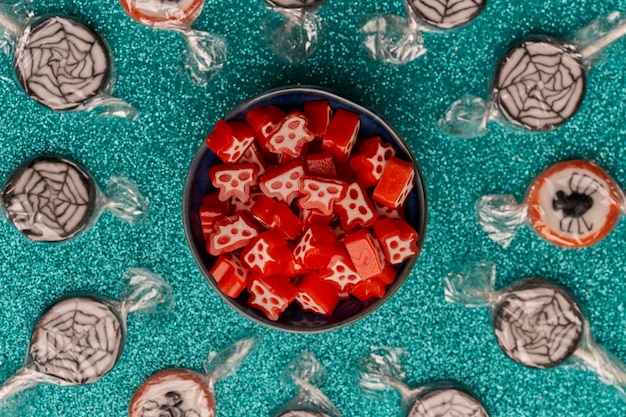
(299, 215)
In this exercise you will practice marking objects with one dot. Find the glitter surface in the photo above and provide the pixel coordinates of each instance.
(444, 341)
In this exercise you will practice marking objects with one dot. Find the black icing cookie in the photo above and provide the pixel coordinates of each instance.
(539, 84)
(538, 324)
(446, 402)
(447, 14)
(49, 199)
(77, 340)
(62, 63)
(295, 4)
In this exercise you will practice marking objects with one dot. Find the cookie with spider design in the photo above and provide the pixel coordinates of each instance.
(446, 14)
(574, 204)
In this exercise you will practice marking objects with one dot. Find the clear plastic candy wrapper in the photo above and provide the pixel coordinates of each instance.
(206, 53)
(51, 199)
(306, 373)
(382, 371)
(538, 85)
(60, 62)
(80, 338)
(536, 323)
(295, 36)
(397, 40)
(186, 393)
(571, 204)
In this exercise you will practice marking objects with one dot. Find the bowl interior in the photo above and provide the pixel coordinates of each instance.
(198, 184)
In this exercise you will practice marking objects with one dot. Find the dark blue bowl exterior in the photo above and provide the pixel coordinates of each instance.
(198, 184)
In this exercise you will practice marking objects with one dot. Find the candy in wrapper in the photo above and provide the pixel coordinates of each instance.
(536, 323)
(572, 204)
(295, 37)
(51, 199)
(60, 62)
(186, 393)
(538, 85)
(80, 338)
(396, 40)
(306, 372)
(206, 53)
(382, 370)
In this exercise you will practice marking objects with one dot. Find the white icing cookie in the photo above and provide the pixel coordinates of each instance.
(447, 14)
(179, 13)
(538, 324)
(539, 84)
(447, 402)
(77, 340)
(574, 204)
(175, 393)
(62, 63)
(49, 199)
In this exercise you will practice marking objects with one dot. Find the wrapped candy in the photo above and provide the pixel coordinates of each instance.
(186, 393)
(536, 323)
(382, 370)
(206, 53)
(397, 40)
(571, 204)
(51, 199)
(80, 338)
(538, 85)
(306, 372)
(296, 36)
(60, 62)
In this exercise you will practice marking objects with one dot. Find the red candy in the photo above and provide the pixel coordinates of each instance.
(290, 136)
(321, 193)
(316, 296)
(229, 140)
(395, 184)
(231, 276)
(266, 254)
(310, 233)
(341, 135)
(234, 181)
(397, 240)
(271, 295)
(283, 183)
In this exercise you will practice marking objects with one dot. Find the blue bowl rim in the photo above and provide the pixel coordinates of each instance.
(400, 142)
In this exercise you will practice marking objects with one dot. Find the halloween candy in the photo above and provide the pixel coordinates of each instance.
(536, 323)
(296, 36)
(306, 372)
(186, 393)
(80, 338)
(206, 53)
(538, 85)
(571, 204)
(51, 198)
(382, 370)
(397, 40)
(60, 62)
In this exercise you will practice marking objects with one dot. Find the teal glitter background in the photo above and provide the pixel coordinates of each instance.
(443, 341)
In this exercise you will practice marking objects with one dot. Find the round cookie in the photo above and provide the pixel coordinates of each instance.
(175, 13)
(295, 4)
(444, 402)
(574, 204)
(539, 84)
(77, 340)
(447, 14)
(62, 63)
(50, 199)
(173, 392)
(538, 324)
